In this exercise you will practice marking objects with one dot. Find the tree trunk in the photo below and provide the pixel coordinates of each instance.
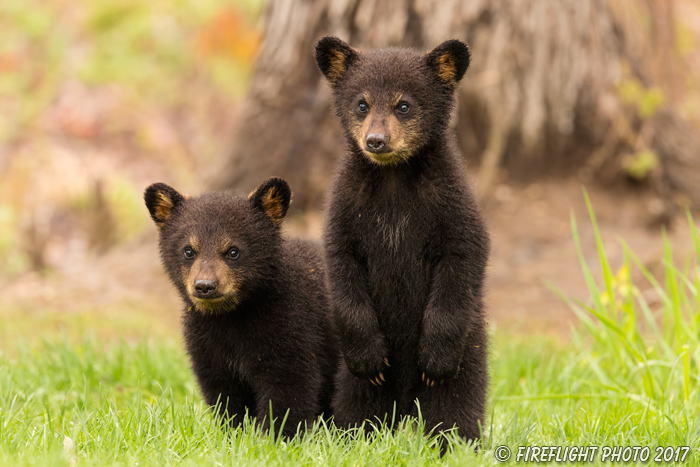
(554, 86)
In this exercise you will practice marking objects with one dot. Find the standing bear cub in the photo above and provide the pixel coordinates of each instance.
(256, 322)
(406, 247)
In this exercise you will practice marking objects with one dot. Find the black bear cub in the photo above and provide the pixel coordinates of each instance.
(406, 247)
(256, 322)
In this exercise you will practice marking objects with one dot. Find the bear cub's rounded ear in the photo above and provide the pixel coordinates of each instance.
(272, 198)
(334, 57)
(162, 200)
(449, 61)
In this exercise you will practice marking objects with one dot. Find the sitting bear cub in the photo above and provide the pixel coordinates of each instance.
(256, 319)
(406, 246)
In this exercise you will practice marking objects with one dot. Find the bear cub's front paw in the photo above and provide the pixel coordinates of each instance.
(438, 365)
(369, 360)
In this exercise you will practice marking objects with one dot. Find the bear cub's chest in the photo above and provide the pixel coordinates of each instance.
(388, 223)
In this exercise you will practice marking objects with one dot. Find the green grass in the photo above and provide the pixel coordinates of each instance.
(629, 377)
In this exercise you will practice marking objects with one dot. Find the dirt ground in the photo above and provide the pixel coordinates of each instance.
(534, 247)
(125, 292)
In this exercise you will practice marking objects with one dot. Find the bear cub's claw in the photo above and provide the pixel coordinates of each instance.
(370, 361)
(436, 371)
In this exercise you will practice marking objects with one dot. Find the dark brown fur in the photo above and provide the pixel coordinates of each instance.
(264, 334)
(405, 244)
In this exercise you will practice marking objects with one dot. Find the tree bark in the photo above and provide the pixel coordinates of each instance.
(542, 95)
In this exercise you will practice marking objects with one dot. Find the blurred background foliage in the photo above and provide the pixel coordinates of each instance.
(100, 98)
(88, 88)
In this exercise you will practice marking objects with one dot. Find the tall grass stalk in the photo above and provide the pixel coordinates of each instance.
(640, 339)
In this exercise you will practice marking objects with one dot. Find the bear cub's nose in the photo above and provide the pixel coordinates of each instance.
(205, 287)
(376, 142)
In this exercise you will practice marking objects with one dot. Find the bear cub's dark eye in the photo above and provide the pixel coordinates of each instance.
(403, 107)
(232, 253)
(189, 252)
(362, 107)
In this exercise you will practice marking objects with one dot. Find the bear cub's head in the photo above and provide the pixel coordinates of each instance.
(218, 248)
(392, 102)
